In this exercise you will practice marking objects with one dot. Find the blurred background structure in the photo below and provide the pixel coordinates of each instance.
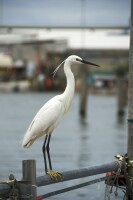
(35, 37)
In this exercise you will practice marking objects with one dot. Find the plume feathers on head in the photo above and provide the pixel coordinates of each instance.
(54, 72)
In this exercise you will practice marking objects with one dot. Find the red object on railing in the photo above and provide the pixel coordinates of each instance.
(39, 197)
(121, 179)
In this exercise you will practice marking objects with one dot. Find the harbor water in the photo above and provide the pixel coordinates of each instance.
(74, 144)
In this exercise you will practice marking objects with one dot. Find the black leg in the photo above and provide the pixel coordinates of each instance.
(47, 148)
(44, 153)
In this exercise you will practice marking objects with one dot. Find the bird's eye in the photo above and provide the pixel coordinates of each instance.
(77, 59)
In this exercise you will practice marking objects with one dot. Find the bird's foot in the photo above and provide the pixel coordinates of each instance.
(54, 174)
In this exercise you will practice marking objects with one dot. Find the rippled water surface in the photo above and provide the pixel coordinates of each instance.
(73, 144)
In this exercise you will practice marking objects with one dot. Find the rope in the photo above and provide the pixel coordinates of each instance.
(73, 187)
(108, 189)
(122, 165)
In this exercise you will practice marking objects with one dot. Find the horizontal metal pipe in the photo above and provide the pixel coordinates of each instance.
(74, 187)
(69, 175)
(61, 27)
(80, 173)
(4, 189)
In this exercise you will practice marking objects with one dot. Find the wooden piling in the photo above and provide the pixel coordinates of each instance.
(121, 93)
(83, 92)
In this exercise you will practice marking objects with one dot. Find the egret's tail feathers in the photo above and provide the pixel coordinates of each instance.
(27, 143)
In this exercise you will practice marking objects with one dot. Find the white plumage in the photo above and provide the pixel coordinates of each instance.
(52, 112)
(45, 120)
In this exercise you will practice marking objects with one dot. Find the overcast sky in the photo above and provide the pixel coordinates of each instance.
(65, 12)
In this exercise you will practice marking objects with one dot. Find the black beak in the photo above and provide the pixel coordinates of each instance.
(90, 63)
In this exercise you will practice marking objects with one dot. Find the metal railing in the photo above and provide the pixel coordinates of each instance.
(27, 187)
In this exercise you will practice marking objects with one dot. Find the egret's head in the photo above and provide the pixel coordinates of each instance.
(77, 60)
(73, 59)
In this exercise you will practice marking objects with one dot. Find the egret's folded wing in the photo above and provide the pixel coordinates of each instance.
(44, 122)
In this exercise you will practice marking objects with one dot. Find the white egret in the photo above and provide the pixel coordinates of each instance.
(52, 112)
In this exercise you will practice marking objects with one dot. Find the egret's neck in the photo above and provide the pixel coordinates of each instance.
(70, 87)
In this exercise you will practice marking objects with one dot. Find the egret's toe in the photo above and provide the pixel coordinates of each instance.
(54, 174)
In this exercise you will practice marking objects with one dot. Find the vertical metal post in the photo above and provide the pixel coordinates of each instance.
(130, 91)
(29, 174)
(130, 107)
